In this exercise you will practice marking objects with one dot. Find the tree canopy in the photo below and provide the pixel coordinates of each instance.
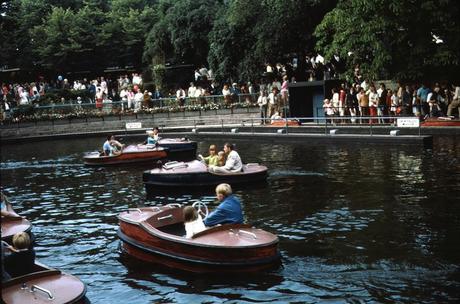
(235, 38)
(417, 39)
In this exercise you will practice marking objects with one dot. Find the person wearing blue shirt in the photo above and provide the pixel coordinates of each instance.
(107, 147)
(153, 137)
(111, 146)
(229, 211)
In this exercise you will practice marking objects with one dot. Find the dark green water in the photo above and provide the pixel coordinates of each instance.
(356, 224)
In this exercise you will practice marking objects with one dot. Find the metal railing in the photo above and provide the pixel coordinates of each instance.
(108, 105)
(399, 110)
(324, 124)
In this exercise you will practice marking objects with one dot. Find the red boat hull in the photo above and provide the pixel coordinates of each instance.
(191, 266)
(441, 123)
(11, 226)
(129, 155)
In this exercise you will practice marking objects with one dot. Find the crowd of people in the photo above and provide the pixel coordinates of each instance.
(366, 99)
(269, 93)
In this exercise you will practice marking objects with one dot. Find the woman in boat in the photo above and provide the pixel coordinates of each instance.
(229, 211)
(21, 258)
(233, 162)
(212, 159)
(192, 221)
(153, 137)
(221, 159)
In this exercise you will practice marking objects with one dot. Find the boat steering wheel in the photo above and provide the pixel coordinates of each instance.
(202, 208)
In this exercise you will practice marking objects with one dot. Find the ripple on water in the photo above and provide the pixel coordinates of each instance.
(329, 221)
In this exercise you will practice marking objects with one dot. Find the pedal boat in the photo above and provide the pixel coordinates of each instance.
(12, 225)
(130, 154)
(157, 235)
(43, 285)
(179, 148)
(441, 122)
(195, 174)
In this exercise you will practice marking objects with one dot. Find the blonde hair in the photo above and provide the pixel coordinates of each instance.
(190, 214)
(21, 240)
(224, 189)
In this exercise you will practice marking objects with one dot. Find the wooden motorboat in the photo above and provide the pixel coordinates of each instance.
(283, 123)
(11, 226)
(195, 173)
(43, 285)
(441, 122)
(156, 235)
(179, 148)
(130, 154)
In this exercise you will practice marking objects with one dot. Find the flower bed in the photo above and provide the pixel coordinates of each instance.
(32, 113)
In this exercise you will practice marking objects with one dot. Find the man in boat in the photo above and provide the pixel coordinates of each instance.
(19, 259)
(232, 164)
(112, 146)
(229, 210)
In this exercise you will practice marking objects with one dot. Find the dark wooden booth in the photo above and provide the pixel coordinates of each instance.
(306, 98)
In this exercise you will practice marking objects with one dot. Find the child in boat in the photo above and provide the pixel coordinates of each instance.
(192, 221)
(212, 159)
(21, 259)
(221, 158)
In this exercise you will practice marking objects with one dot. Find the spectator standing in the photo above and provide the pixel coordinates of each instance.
(273, 102)
(180, 96)
(24, 97)
(455, 104)
(406, 101)
(191, 90)
(227, 94)
(262, 103)
(422, 94)
(335, 100)
(284, 91)
(363, 103)
(138, 99)
(351, 103)
(99, 98)
(373, 102)
(382, 102)
(342, 97)
(92, 91)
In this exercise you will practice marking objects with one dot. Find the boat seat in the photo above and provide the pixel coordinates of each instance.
(30, 276)
(166, 217)
(220, 228)
(174, 164)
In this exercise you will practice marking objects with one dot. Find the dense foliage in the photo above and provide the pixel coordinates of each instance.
(235, 38)
(418, 39)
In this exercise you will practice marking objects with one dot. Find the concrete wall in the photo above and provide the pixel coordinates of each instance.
(118, 123)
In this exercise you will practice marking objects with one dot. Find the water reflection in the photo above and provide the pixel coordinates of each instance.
(356, 224)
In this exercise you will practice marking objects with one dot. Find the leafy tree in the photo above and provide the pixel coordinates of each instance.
(123, 34)
(67, 39)
(394, 39)
(250, 33)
